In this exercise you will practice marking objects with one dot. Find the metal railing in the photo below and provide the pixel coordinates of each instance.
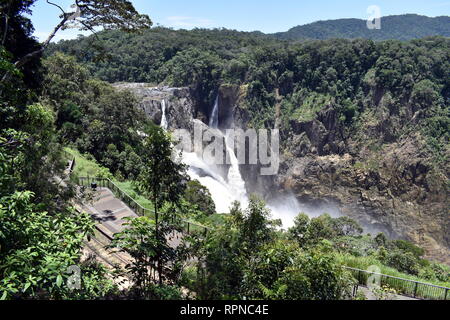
(406, 287)
(188, 226)
(117, 191)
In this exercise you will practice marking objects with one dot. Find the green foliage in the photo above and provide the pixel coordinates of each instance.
(86, 167)
(244, 258)
(111, 14)
(227, 251)
(346, 237)
(299, 232)
(283, 272)
(409, 247)
(309, 232)
(345, 226)
(149, 245)
(312, 104)
(316, 276)
(94, 116)
(372, 260)
(37, 248)
(95, 283)
(34, 156)
(358, 246)
(18, 41)
(347, 77)
(381, 240)
(164, 181)
(425, 94)
(255, 226)
(199, 196)
(402, 261)
(400, 27)
(436, 272)
(165, 292)
(195, 68)
(266, 267)
(162, 178)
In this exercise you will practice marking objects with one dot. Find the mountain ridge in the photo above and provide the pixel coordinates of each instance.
(394, 27)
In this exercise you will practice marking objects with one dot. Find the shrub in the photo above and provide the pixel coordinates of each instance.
(402, 261)
(316, 276)
(409, 247)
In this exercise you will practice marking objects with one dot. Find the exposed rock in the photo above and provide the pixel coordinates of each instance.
(392, 189)
(232, 114)
(180, 107)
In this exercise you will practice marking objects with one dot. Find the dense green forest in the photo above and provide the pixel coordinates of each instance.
(64, 99)
(311, 74)
(401, 27)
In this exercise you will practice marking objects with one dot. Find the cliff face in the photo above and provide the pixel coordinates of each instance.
(394, 187)
(389, 184)
(179, 105)
(387, 181)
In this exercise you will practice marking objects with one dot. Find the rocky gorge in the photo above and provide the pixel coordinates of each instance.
(390, 187)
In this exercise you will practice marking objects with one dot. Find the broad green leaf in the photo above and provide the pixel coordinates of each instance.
(27, 285)
(59, 280)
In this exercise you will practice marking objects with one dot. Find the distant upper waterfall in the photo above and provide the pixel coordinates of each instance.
(214, 118)
(164, 123)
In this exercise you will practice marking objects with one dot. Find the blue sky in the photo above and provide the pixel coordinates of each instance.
(246, 15)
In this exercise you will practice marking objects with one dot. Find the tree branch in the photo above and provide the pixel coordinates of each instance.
(31, 55)
(65, 17)
(6, 23)
(90, 29)
(6, 30)
(24, 60)
(54, 4)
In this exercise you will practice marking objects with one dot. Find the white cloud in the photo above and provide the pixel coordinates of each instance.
(189, 22)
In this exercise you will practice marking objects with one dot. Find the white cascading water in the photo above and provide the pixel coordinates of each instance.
(223, 192)
(235, 181)
(214, 119)
(164, 122)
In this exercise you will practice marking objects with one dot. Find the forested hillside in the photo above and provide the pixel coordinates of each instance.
(401, 27)
(309, 76)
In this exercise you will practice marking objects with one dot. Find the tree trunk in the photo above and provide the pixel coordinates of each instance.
(158, 251)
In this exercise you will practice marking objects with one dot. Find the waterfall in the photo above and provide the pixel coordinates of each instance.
(235, 180)
(229, 186)
(164, 123)
(223, 192)
(214, 118)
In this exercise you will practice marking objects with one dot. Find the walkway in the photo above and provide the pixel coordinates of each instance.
(110, 213)
(371, 296)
